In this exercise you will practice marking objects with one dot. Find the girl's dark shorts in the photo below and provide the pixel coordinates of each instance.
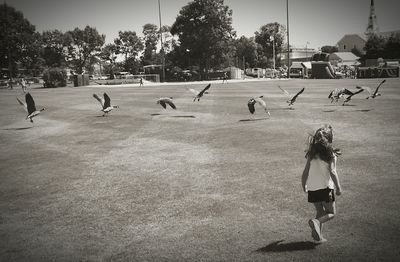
(326, 195)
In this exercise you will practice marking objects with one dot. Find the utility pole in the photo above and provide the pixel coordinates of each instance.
(273, 54)
(288, 46)
(162, 45)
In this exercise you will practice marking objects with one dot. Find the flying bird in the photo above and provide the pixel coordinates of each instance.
(351, 95)
(201, 93)
(293, 99)
(251, 104)
(105, 103)
(375, 93)
(337, 93)
(30, 107)
(163, 101)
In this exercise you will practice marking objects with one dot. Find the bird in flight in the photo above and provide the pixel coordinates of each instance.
(372, 94)
(337, 93)
(251, 104)
(292, 99)
(30, 107)
(105, 103)
(351, 95)
(201, 93)
(163, 101)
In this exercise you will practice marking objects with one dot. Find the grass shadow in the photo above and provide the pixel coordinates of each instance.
(363, 110)
(18, 128)
(328, 111)
(252, 119)
(155, 114)
(278, 246)
(189, 116)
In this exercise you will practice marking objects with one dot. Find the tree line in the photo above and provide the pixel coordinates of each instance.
(201, 38)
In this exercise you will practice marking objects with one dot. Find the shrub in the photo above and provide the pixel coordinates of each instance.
(55, 77)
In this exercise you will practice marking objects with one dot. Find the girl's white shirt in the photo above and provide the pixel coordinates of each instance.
(319, 175)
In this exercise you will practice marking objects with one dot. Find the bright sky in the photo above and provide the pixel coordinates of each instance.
(319, 22)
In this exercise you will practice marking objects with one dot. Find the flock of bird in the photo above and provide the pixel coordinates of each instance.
(105, 101)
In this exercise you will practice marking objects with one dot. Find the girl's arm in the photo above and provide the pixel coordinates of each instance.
(334, 176)
(304, 177)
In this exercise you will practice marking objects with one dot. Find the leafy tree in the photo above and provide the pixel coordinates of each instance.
(265, 37)
(329, 49)
(128, 44)
(392, 47)
(82, 45)
(374, 47)
(53, 51)
(246, 48)
(151, 34)
(205, 28)
(17, 35)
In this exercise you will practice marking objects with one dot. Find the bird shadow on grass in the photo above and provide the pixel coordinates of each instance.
(328, 111)
(18, 128)
(252, 119)
(363, 110)
(156, 114)
(278, 246)
(189, 116)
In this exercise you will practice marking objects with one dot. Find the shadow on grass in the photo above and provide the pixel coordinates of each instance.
(175, 116)
(363, 110)
(18, 128)
(156, 114)
(328, 111)
(278, 246)
(252, 119)
(189, 116)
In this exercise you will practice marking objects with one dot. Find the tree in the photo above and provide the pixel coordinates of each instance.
(329, 49)
(17, 37)
(374, 47)
(265, 37)
(205, 28)
(151, 35)
(128, 44)
(392, 47)
(82, 45)
(53, 51)
(246, 48)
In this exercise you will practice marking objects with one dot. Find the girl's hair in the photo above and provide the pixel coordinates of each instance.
(320, 144)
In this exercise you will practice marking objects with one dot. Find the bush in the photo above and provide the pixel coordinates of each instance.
(55, 77)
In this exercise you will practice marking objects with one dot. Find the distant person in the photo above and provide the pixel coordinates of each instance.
(10, 83)
(320, 179)
(23, 85)
(225, 77)
(141, 81)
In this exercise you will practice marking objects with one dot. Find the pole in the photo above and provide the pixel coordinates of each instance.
(162, 45)
(244, 67)
(288, 46)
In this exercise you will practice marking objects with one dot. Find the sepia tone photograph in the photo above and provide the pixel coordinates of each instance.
(199, 130)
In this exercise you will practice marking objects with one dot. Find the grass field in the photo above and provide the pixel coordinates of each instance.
(207, 182)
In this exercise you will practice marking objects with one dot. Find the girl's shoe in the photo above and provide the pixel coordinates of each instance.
(315, 230)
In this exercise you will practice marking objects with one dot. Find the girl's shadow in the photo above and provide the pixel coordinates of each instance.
(278, 246)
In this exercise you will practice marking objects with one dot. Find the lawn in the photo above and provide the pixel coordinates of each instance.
(206, 182)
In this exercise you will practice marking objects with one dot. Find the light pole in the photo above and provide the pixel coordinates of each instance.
(307, 50)
(273, 54)
(288, 46)
(162, 45)
(188, 55)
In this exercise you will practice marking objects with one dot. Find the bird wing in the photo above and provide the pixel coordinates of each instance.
(364, 88)
(169, 102)
(162, 103)
(107, 101)
(205, 89)
(376, 90)
(250, 105)
(284, 91)
(22, 104)
(331, 94)
(30, 103)
(261, 102)
(345, 91)
(194, 92)
(296, 95)
(101, 100)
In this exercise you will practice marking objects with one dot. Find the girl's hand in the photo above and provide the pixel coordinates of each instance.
(338, 191)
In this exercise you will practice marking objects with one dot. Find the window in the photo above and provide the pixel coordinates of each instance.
(344, 47)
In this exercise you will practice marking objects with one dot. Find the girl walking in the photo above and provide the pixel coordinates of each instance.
(320, 179)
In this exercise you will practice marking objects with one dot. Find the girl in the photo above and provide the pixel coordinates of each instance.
(320, 179)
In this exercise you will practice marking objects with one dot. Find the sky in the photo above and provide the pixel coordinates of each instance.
(314, 23)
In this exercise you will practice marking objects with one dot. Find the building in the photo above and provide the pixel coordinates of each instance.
(343, 59)
(351, 41)
(298, 55)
